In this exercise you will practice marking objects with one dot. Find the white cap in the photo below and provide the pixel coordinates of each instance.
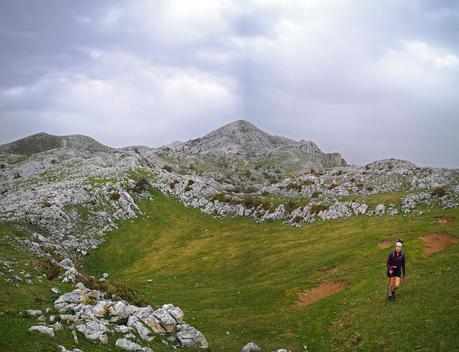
(399, 244)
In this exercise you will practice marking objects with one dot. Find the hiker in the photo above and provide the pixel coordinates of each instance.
(395, 265)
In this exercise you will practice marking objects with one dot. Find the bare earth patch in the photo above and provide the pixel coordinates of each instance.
(386, 244)
(325, 289)
(330, 270)
(437, 241)
(444, 219)
(287, 333)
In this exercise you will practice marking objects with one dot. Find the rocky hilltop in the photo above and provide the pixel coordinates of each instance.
(42, 142)
(65, 193)
(241, 152)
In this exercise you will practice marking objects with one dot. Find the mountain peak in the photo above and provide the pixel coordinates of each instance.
(239, 125)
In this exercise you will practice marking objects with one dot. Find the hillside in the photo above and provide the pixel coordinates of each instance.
(105, 248)
(241, 151)
(42, 142)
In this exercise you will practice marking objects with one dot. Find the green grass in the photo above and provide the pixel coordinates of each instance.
(98, 181)
(237, 280)
(19, 159)
(373, 200)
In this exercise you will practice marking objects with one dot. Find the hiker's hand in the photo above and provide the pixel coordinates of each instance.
(390, 271)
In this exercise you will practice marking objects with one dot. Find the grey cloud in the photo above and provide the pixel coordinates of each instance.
(369, 80)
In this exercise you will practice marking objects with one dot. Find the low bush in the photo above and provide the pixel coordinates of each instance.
(316, 194)
(439, 191)
(47, 267)
(295, 186)
(297, 219)
(115, 195)
(318, 207)
(308, 182)
(115, 290)
(45, 204)
(221, 197)
(251, 202)
(141, 184)
(173, 183)
(188, 186)
(332, 185)
(292, 205)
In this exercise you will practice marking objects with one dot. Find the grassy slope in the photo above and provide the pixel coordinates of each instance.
(237, 280)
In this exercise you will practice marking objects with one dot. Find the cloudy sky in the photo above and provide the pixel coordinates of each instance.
(370, 79)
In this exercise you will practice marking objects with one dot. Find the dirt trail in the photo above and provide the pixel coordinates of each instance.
(325, 289)
(436, 242)
(386, 244)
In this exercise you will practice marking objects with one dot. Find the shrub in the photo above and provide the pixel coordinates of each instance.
(45, 204)
(167, 168)
(114, 290)
(370, 188)
(47, 267)
(316, 194)
(188, 185)
(16, 175)
(297, 219)
(295, 186)
(308, 182)
(141, 184)
(251, 202)
(439, 191)
(53, 161)
(172, 184)
(267, 205)
(292, 205)
(318, 207)
(221, 197)
(332, 185)
(115, 195)
(316, 173)
(264, 193)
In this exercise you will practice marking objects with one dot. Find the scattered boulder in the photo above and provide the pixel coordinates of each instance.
(43, 329)
(251, 347)
(380, 209)
(128, 345)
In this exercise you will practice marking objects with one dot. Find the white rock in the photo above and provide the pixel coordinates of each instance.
(43, 329)
(127, 345)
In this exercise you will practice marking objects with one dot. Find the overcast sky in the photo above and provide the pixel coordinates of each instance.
(369, 79)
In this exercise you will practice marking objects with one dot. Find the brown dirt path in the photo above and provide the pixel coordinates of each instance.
(325, 289)
(438, 241)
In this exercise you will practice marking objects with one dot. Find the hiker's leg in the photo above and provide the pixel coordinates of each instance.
(396, 283)
(389, 292)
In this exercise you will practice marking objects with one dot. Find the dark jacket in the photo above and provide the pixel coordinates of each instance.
(396, 262)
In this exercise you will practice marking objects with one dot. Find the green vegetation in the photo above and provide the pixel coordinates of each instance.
(374, 199)
(81, 209)
(237, 280)
(98, 181)
(18, 160)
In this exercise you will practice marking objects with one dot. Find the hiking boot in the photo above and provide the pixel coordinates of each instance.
(390, 298)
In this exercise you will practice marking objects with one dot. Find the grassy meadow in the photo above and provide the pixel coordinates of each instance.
(237, 281)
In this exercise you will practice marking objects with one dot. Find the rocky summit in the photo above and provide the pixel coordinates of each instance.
(62, 195)
(240, 151)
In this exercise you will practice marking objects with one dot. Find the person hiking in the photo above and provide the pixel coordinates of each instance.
(395, 266)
